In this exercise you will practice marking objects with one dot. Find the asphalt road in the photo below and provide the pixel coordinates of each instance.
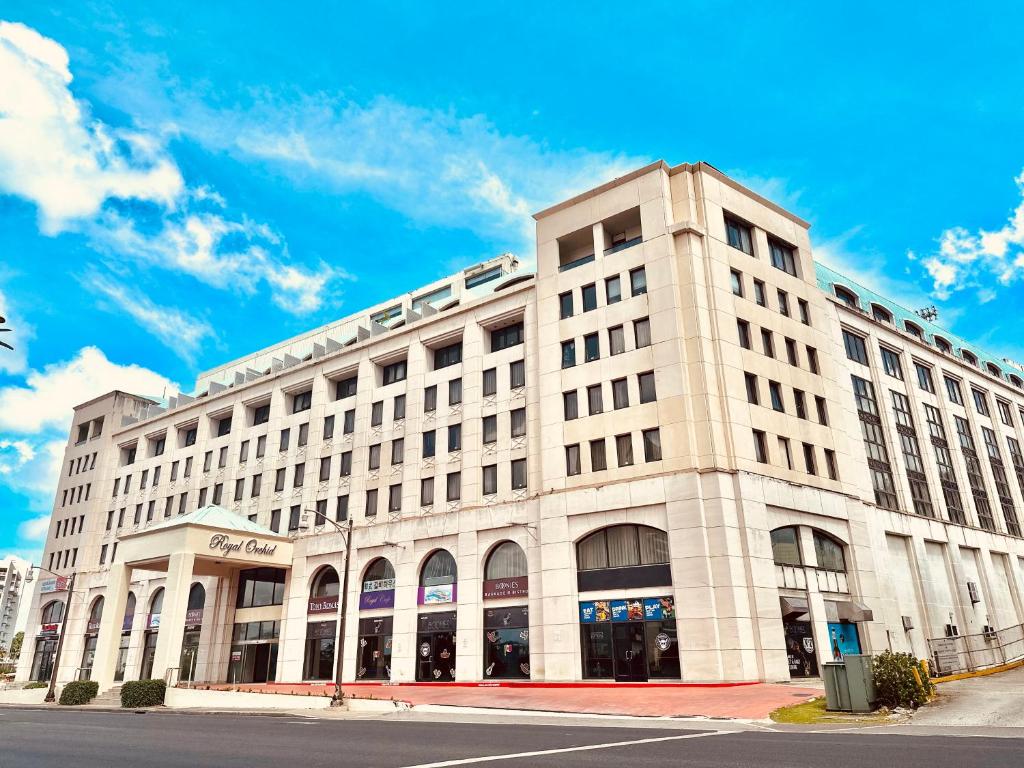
(56, 739)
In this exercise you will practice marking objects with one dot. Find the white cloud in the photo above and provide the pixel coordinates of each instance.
(30, 465)
(18, 337)
(47, 398)
(980, 261)
(35, 528)
(175, 329)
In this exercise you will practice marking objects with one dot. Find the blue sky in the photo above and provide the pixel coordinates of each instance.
(181, 183)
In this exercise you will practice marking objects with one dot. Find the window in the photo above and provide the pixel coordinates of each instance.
(303, 434)
(784, 303)
(598, 460)
(374, 457)
(736, 280)
(752, 393)
(812, 360)
(346, 464)
(613, 290)
(446, 356)
(760, 446)
(490, 382)
(302, 401)
(738, 236)
(345, 388)
(393, 373)
(591, 347)
(924, 378)
(490, 479)
(782, 256)
(455, 437)
(589, 293)
(261, 449)
(257, 480)
(822, 408)
(426, 492)
(855, 347)
(956, 395)
(620, 394)
(616, 340)
(743, 328)
(622, 546)
(800, 403)
(222, 458)
(642, 332)
(805, 311)
(395, 498)
(518, 474)
(570, 405)
(791, 353)
(299, 476)
(595, 400)
(1005, 415)
(207, 466)
(490, 430)
(348, 425)
(454, 486)
(224, 426)
(847, 297)
(891, 363)
(275, 520)
(429, 441)
(648, 394)
(980, 402)
(786, 546)
(258, 587)
(831, 465)
(638, 281)
(767, 342)
(430, 399)
(809, 464)
(775, 391)
(454, 391)
(517, 374)
(652, 444)
(760, 295)
(565, 305)
(377, 413)
(371, 503)
(568, 353)
(787, 454)
(572, 459)
(398, 412)
(397, 451)
(828, 552)
(506, 337)
(624, 449)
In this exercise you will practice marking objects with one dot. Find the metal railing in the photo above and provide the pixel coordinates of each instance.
(970, 653)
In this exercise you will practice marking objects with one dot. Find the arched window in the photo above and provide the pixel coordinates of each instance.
(196, 597)
(156, 603)
(53, 612)
(913, 328)
(96, 612)
(129, 612)
(506, 561)
(994, 369)
(1016, 381)
(438, 569)
(621, 546)
(325, 583)
(881, 314)
(380, 570)
(829, 552)
(848, 297)
(786, 546)
(969, 357)
(943, 345)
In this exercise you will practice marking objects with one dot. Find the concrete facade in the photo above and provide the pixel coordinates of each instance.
(707, 355)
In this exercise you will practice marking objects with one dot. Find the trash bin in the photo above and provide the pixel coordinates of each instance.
(850, 684)
(837, 688)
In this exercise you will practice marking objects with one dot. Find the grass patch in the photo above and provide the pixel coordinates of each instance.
(813, 712)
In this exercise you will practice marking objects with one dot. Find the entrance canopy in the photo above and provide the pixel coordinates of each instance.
(220, 541)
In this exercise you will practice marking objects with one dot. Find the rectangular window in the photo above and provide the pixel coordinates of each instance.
(371, 503)
(239, 488)
(638, 281)
(753, 396)
(783, 303)
(800, 403)
(275, 520)
(454, 486)
(397, 451)
(346, 464)
(652, 444)
(786, 452)
(572, 459)
(373, 460)
(490, 479)
(517, 374)
(648, 393)
(616, 340)
(595, 399)
(767, 342)
(446, 356)
(822, 407)
(207, 465)
(565, 305)
(224, 426)
(591, 347)
(518, 422)
(809, 463)
(260, 415)
(598, 459)
(760, 294)
(393, 373)
(642, 332)
(348, 424)
(257, 482)
(775, 391)
(218, 492)
(341, 511)
(398, 408)
(279, 479)
(426, 492)
(956, 395)
(490, 383)
(980, 402)
(613, 290)
(328, 427)
(760, 447)
(855, 347)
(738, 236)
(454, 391)
(620, 393)
(430, 399)
(624, 449)
(891, 363)
(345, 388)
(805, 311)
(589, 293)
(518, 474)
(782, 256)
(429, 440)
(395, 498)
(791, 353)
(812, 360)
(285, 440)
(377, 413)
(490, 429)
(736, 281)
(743, 329)
(303, 434)
(454, 437)
(924, 378)
(1005, 414)
(568, 353)
(222, 458)
(570, 405)
(302, 402)
(243, 456)
(299, 476)
(831, 465)
(261, 450)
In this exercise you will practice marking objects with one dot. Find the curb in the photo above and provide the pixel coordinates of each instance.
(979, 672)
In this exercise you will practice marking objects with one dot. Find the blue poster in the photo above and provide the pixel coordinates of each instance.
(620, 610)
(843, 639)
(652, 608)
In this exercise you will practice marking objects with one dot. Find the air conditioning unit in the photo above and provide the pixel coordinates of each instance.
(972, 590)
(908, 623)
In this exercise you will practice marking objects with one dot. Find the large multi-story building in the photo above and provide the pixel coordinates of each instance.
(680, 451)
(12, 577)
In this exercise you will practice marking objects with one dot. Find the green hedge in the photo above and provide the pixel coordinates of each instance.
(36, 684)
(79, 692)
(900, 681)
(142, 693)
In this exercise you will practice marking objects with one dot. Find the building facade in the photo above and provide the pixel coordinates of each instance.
(679, 450)
(12, 590)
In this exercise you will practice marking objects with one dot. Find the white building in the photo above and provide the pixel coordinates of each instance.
(645, 461)
(13, 613)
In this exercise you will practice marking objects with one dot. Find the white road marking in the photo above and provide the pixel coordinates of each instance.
(543, 752)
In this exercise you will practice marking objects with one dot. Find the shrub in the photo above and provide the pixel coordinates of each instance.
(79, 692)
(142, 693)
(900, 681)
(35, 684)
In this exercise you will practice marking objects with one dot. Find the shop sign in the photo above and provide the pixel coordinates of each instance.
(382, 598)
(663, 641)
(630, 609)
(437, 622)
(380, 625)
(223, 544)
(437, 594)
(378, 585)
(507, 618)
(193, 617)
(59, 584)
(236, 655)
(497, 588)
(92, 627)
(153, 621)
(320, 630)
(49, 629)
(947, 658)
(322, 604)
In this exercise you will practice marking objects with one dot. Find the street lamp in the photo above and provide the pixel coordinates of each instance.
(5, 330)
(50, 694)
(345, 531)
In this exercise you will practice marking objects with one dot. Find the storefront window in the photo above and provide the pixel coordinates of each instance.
(260, 587)
(786, 546)
(507, 643)
(92, 629)
(254, 652)
(625, 556)
(630, 640)
(374, 659)
(437, 579)
(378, 588)
(126, 633)
(800, 650)
(319, 661)
(435, 647)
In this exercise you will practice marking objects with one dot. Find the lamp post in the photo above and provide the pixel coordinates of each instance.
(345, 531)
(50, 693)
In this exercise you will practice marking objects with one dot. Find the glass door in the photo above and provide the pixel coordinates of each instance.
(42, 662)
(122, 657)
(628, 647)
(435, 657)
(189, 655)
(148, 655)
(88, 657)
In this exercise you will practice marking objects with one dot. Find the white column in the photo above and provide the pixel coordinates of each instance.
(108, 641)
(172, 616)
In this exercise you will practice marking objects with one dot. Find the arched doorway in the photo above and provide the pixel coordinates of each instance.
(320, 634)
(376, 600)
(193, 628)
(435, 637)
(126, 637)
(630, 638)
(50, 619)
(506, 615)
(92, 631)
(156, 605)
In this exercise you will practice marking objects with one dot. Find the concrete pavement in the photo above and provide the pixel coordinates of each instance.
(994, 701)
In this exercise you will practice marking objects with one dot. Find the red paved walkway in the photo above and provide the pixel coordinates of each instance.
(747, 701)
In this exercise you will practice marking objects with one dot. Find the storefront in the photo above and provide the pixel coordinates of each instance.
(800, 649)
(318, 660)
(126, 638)
(46, 641)
(377, 599)
(254, 647)
(630, 640)
(151, 635)
(193, 629)
(506, 627)
(435, 637)
(92, 630)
